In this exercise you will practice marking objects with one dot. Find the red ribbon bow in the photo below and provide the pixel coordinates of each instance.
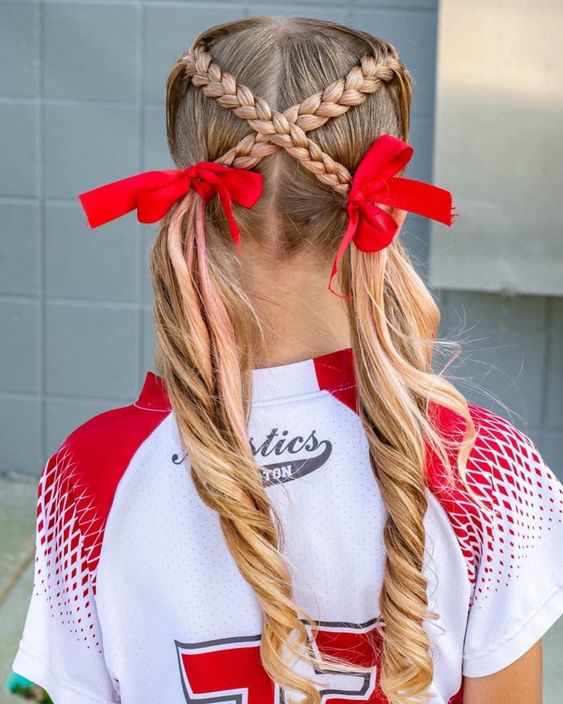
(371, 227)
(152, 193)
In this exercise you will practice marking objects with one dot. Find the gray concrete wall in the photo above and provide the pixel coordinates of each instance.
(511, 360)
(81, 104)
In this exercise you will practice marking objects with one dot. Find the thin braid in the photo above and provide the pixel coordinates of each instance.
(288, 129)
(270, 125)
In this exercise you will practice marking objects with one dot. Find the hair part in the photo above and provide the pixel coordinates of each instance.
(321, 93)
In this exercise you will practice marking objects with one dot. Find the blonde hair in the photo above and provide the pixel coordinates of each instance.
(335, 89)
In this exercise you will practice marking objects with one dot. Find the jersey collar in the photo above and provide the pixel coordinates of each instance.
(333, 372)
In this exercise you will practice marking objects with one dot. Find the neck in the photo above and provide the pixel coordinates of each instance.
(300, 317)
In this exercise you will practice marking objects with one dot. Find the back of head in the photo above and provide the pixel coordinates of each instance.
(299, 100)
(285, 63)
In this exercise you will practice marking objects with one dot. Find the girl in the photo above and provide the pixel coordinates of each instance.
(295, 508)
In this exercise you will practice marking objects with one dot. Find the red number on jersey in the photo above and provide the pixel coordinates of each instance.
(230, 670)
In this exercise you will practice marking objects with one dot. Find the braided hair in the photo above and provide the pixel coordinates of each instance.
(209, 332)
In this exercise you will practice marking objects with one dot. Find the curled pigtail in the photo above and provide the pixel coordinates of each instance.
(392, 343)
(397, 457)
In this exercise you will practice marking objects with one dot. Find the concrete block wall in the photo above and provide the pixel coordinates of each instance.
(511, 360)
(81, 104)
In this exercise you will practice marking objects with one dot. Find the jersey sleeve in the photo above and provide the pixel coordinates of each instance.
(517, 591)
(61, 647)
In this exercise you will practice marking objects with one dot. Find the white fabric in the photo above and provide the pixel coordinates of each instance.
(170, 605)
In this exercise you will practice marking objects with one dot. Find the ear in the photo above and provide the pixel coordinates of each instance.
(398, 216)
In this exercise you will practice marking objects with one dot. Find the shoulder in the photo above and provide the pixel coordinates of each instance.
(80, 478)
(103, 445)
(499, 449)
(96, 453)
(508, 494)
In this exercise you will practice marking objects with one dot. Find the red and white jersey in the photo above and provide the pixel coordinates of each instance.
(137, 599)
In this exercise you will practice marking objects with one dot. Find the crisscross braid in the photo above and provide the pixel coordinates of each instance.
(287, 130)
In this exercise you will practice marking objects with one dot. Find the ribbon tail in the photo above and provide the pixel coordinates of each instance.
(348, 236)
(226, 202)
(418, 197)
(112, 200)
(109, 202)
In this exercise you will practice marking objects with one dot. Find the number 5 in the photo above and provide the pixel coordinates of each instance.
(229, 670)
